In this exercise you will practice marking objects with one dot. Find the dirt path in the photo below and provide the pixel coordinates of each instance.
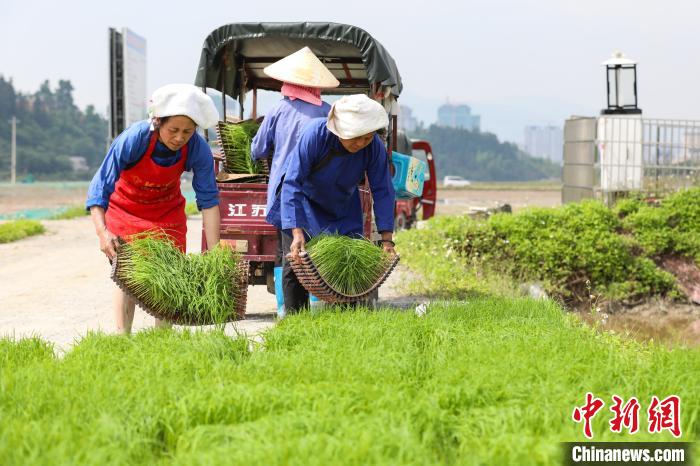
(458, 201)
(57, 286)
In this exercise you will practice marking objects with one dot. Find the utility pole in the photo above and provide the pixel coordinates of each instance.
(13, 162)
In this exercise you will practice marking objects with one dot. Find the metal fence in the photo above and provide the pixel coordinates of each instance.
(611, 155)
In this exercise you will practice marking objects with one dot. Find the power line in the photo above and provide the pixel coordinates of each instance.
(13, 156)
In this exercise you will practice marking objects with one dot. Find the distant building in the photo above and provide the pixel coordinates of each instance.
(545, 142)
(458, 116)
(79, 164)
(407, 121)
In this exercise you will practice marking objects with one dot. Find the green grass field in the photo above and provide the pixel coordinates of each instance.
(489, 381)
(543, 185)
(75, 211)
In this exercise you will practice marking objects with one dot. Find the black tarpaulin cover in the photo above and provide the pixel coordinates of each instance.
(353, 56)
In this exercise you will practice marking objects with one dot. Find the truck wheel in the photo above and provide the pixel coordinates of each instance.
(400, 222)
(270, 281)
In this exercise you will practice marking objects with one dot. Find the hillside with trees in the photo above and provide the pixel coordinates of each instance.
(480, 156)
(51, 129)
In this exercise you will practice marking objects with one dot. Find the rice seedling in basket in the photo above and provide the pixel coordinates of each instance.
(235, 140)
(351, 266)
(190, 288)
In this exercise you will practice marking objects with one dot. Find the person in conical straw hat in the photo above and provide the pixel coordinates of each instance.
(319, 193)
(303, 77)
(137, 187)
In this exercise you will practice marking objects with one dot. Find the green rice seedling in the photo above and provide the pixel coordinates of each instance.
(351, 266)
(235, 140)
(19, 229)
(196, 287)
(488, 381)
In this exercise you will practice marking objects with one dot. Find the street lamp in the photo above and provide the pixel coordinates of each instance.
(621, 76)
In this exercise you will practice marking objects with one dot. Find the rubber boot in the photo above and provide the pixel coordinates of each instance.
(315, 303)
(279, 295)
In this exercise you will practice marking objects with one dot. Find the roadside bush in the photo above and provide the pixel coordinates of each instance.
(18, 229)
(434, 252)
(565, 249)
(627, 206)
(671, 227)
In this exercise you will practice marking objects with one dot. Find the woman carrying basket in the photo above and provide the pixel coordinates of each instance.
(320, 192)
(137, 187)
(303, 76)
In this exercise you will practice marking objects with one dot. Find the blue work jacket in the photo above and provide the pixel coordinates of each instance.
(324, 197)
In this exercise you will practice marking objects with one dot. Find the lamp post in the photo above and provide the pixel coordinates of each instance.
(621, 80)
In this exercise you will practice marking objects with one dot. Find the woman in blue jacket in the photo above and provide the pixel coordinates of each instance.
(319, 193)
(303, 76)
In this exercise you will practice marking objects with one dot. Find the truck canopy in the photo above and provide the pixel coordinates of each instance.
(233, 57)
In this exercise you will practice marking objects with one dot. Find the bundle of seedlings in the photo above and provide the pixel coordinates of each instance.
(350, 266)
(195, 289)
(235, 140)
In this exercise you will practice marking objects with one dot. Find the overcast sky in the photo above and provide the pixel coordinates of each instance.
(515, 62)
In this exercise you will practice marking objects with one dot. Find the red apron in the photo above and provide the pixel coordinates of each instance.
(147, 197)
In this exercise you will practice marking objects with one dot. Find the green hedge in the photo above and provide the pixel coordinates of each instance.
(671, 227)
(573, 250)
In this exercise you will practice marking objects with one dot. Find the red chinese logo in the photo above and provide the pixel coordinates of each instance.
(665, 415)
(586, 412)
(662, 414)
(626, 416)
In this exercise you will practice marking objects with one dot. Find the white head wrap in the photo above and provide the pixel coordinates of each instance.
(184, 99)
(356, 115)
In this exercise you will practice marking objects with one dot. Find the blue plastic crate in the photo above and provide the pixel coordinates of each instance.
(409, 176)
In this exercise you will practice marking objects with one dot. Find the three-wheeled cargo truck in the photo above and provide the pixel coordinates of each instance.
(232, 61)
(407, 210)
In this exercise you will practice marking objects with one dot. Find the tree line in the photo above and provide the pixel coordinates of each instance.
(480, 156)
(51, 129)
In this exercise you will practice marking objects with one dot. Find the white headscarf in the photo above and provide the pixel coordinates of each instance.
(183, 99)
(356, 115)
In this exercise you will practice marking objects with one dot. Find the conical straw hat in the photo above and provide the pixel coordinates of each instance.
(304, 69)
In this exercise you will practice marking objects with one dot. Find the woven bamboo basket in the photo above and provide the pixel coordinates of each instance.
(229, 149)
(240, 296)
(313, 282)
